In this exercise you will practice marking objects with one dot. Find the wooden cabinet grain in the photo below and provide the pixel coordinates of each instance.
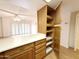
(28, 54)
(1, 56)
(40, 55)
(35, 50)
(21, 53)
(40, 49)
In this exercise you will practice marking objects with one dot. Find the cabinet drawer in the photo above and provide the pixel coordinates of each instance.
(12, 51)
(41, 41)
(40, 45)
(39, 50)
(25, 47)
(41, 55)
(18, 50)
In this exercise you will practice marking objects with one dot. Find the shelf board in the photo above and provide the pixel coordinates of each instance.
(48, 50)
(49, 43)
(49, 38)
(49, 17)
(49, 25)
(57, 25)
(49, 31)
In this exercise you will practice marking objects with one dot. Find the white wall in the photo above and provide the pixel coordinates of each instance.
(0, 27)
(67, 7)
(8, 20)
(6, 26)
(65, 17)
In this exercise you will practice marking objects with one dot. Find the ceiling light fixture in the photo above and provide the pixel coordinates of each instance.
(47, 1)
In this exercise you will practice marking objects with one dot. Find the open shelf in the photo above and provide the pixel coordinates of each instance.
(49, 43)
(58, 25)
(49, 38)
(46, 21)
(49, 25)
(48, 50)
(48, 31)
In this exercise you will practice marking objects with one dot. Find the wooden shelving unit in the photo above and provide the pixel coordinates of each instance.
(46, 24)
(49, 23)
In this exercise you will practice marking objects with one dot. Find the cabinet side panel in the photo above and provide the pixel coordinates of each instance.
(42, 19)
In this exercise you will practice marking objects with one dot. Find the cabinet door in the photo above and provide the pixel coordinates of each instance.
(1, 56)
(25, 55)
(28, 54)
(57, 38)
(40, 55)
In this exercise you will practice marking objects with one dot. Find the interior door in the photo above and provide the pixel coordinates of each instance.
(72, 30)
(77, 32)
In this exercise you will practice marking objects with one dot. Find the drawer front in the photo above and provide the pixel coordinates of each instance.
(28, 54)
(40, 45)
(41, 41)
(18, 50)
(39, 50)
(12, 51)
(41, 55)
(25, 47)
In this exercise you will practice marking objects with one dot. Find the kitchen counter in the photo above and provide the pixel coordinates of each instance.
(19, 40)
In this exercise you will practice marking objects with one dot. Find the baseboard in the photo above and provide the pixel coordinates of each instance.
(64, 46)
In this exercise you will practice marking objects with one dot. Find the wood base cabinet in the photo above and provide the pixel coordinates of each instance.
(28, 54)
(40, 55)
(23, 52)
(36, 50)
(40, 49)
(1, 56)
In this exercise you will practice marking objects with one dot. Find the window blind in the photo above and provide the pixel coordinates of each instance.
(21, 28)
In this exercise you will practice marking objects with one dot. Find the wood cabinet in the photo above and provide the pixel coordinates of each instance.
(57, 38)
(57, 30)
(40, 49)
(35, 50)
(45, 25)
(23, 52)
(40, 55)
(1, 56)
(28, 54)
(49, 23)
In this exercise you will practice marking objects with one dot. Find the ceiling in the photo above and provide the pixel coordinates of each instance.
(29, 7)
(25, 7)
(72, 5)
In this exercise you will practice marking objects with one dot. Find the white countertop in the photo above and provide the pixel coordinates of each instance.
(19, 40)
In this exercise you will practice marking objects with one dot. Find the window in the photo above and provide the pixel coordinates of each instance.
(21, 28)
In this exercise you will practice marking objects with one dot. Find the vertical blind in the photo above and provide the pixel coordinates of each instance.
(21, 28)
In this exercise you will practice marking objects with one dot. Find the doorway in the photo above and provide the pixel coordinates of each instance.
(74, 31)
